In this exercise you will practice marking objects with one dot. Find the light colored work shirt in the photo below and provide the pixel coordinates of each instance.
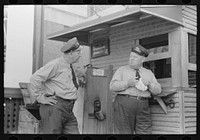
(55, 76)
(119, 82)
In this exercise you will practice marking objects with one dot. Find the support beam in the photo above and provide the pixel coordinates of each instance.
(38, 38)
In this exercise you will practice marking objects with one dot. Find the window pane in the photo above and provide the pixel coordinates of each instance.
(192, 48)
(192, 78)
(161, 68)
(155, 44)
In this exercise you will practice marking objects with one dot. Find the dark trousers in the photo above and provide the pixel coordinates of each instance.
(131, 116)
(58, 119)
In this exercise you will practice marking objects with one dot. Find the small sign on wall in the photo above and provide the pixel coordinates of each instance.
(100, 48)
(98, 72)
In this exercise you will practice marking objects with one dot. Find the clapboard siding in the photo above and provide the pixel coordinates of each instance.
(189, 14)
(181, 118)
(121, 38)
(166, 123)
(190, 111)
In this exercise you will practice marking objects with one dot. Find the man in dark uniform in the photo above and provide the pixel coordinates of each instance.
(55, 86)
(133, 84)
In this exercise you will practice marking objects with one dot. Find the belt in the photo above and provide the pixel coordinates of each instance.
(69, 100)
(132, 96)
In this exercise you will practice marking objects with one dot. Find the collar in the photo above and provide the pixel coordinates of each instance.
(140, 69)
(64, 61)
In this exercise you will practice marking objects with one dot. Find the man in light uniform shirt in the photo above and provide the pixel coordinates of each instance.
(133, 84)
(55, 87)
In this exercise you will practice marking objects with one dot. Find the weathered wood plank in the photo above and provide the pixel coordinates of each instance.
(190, 26)
(167, 124)
(158, 109)
(190, 132)
(189, 94)
(190, 31)
(166, 119)
(188, 18)
(191, 11)
(168, 115)
(191, 15)
(190, 114)
(190, 124)
(190, 119)
(190, 100)
(12, 93)
(192, 7)
(191, 22)
(167, 129)
(190, 104)
(191, 129)
(190, 109)
(26, 96)
(163, 132)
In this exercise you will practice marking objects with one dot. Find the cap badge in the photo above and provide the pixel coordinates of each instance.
(137, 49)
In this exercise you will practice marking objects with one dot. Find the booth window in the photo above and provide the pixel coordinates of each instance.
(192, 78)
(156, 45)
(192, 48)
(161, 68)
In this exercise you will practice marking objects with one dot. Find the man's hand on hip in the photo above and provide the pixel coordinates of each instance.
(51, 100)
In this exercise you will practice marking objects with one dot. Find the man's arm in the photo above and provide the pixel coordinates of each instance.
(117, 84)
(154, 86)
(41, 76)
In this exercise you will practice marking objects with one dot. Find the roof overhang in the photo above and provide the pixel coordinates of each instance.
(82, 30)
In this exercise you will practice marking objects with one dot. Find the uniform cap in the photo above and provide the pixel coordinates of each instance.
(70, 45)
(140, 50)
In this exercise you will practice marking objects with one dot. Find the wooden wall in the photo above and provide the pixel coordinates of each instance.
(179, 120)
(190, 110)
(121, 38)
(189, 13)
(166, 123)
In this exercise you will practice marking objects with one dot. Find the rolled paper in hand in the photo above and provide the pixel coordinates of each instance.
(140, 85)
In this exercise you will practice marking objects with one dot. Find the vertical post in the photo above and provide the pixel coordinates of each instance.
(184, 57)
(109, 103)
(174, 43)
(181, 111)
(38, 37)
(178, 43)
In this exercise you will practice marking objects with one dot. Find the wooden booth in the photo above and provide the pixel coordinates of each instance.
(169, 33)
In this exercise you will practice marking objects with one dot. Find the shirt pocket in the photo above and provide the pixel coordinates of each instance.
(64, 79)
